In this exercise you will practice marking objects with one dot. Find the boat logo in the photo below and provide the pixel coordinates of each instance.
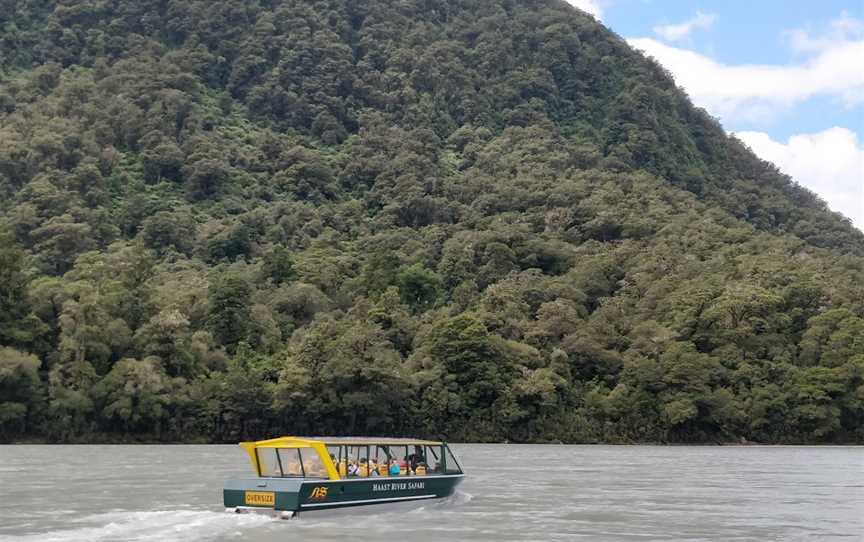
(318, 493)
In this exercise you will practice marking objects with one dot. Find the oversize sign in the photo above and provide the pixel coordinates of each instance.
(260, 498)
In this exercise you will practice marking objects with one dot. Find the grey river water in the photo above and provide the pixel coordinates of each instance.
(512, 492)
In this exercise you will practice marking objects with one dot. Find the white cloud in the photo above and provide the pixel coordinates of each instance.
(830, 163)
(843, 29)
(830, 63)
(676, 32)
(758, 91)
(590, 6)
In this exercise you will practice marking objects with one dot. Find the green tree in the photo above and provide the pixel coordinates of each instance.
(419, 287)
(168, 336)
(205, 178)
(60, 240)
(278, 265)
(472, 375)
(833, 338)
(20, 392)
(230, 309)
(132, 398)
(18, 325)
(71, 405)
(166, 230)
(244, 396)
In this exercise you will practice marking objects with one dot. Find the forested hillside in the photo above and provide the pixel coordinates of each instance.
(469, 219)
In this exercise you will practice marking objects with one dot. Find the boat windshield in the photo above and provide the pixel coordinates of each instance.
(268, 462)
(290, 462)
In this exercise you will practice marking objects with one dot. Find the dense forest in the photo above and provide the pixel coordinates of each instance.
(469, 219)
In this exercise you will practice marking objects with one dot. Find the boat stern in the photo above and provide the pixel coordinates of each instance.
(262, 494)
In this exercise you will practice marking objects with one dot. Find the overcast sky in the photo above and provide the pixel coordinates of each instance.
(787, 77)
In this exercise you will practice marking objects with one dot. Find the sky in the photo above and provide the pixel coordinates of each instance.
(786, 77)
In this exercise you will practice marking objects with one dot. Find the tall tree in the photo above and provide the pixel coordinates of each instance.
(18, 325)
(229, 312)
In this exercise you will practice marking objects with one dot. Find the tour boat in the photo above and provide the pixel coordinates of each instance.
(296, 474)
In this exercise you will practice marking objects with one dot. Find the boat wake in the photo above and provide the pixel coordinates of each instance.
(203, 525)
(459, 498)
(144, 526)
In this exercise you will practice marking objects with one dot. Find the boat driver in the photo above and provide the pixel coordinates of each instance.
(416, 458)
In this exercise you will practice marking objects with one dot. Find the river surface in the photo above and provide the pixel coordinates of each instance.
(511, 492)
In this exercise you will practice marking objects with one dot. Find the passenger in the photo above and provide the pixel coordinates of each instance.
(353, 470)
(403, 468)
(421, 469)
(363, 467)
(394, 468)
(373, 468)
(416, 458)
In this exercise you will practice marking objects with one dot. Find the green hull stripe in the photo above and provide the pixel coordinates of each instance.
(366, 501)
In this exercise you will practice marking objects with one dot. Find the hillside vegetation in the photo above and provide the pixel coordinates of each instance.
(469, 219)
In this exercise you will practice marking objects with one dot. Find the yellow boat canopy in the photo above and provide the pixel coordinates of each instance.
(319, 445)
(293, 442)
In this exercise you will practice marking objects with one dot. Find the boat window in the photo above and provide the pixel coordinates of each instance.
(405, 460)
(354, 453)
(359, 457)
(336, 453)
(289, 458)
(313, 467)
(452, 466)
(435, 459)
(415, 458)
(268, 462)
(379, 460)
(425, 464)
(339, 455)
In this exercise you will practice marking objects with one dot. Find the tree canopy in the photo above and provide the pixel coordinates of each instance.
(466, 219)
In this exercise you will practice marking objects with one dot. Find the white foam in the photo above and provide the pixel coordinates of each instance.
(144, 526)
(459, 497)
